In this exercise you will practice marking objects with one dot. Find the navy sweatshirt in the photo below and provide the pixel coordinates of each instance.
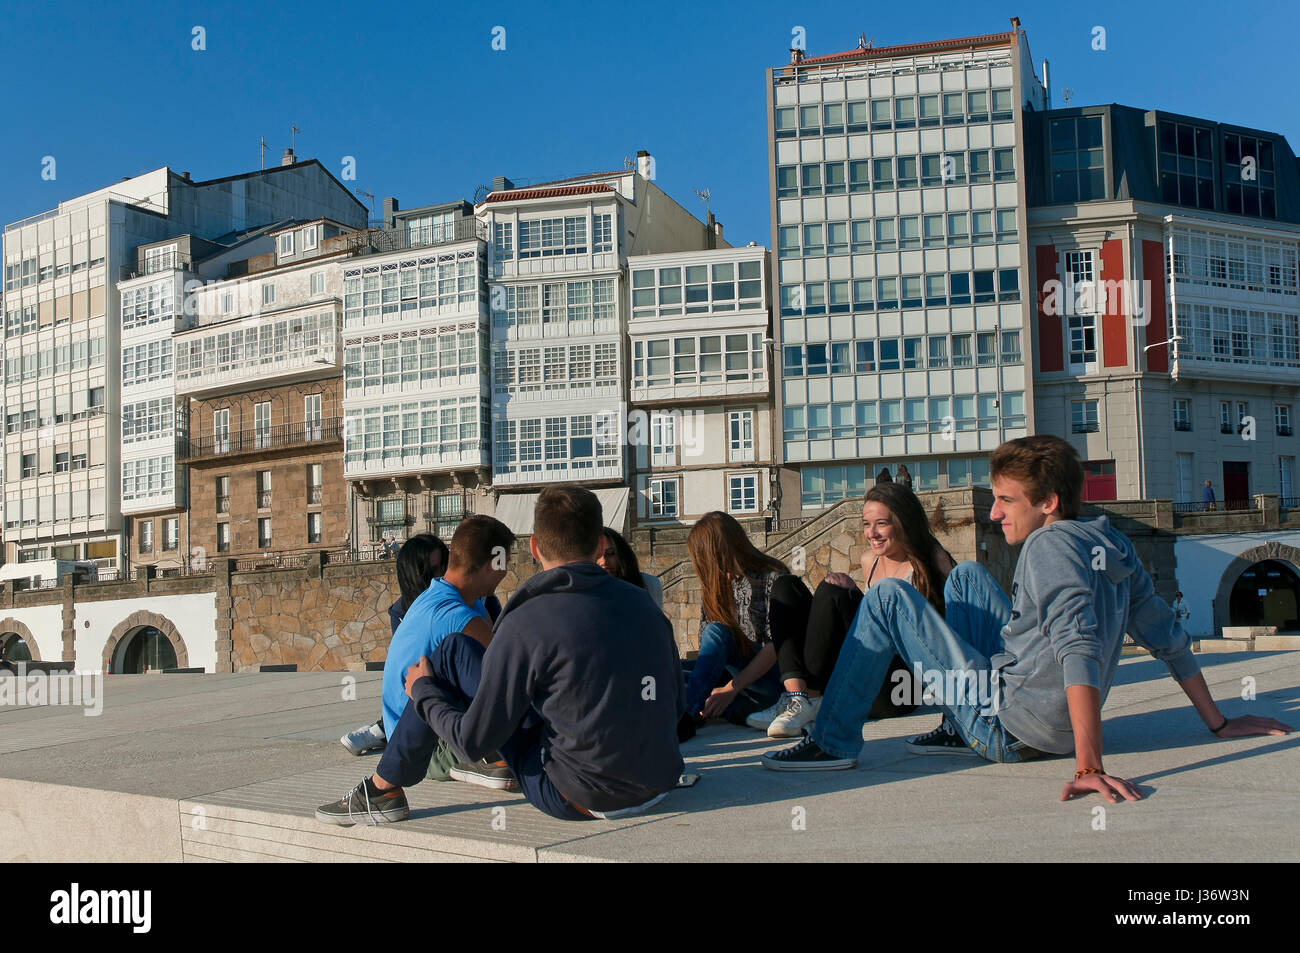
(595, 657)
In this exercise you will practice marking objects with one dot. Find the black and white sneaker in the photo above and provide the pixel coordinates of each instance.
(943, 740)
(366, 804)
(486, 774)
(806, 756)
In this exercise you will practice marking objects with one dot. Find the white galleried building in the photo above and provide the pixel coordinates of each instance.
(557, 264)
(64, 334)
(416, 393)
(698, 333)
(898, 226)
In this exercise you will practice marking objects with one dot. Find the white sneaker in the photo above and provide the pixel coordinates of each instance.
(364, 739)
(800, 712)
(761, 719)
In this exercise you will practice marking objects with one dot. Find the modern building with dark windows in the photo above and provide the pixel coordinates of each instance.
(1164, 251)
(900, 261)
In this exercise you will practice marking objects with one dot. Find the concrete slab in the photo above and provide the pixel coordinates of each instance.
(222, 768)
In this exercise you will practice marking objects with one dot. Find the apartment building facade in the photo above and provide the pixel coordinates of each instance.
(261, 367)
(700, 387)
(416, 393)
(557, 267)
(64, 335)
(1169, 353)
(900, 259)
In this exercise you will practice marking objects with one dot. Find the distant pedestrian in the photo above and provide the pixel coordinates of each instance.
(904, 477)
(883, 476)
(1181, 611)
(394, 547)
(1207, 496)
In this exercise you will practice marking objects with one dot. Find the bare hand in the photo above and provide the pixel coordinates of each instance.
(1111, 788)
(1251, 725)
(717, 702)
(421, 669)
(843, 580)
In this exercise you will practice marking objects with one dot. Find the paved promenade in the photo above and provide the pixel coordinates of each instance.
(230, 768)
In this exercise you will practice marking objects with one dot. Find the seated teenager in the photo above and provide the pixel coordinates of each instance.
(742, 592)
(900, 545)
(422, 560)
(586, 722)
(1079, 587)
(619, 560)
(455, 602)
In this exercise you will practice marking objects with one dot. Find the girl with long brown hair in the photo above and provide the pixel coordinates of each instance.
(900, 545)
(739, 586)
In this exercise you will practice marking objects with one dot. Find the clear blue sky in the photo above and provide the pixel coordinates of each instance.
(430, 111)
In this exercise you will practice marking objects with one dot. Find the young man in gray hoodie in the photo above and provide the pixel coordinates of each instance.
(1026, 676)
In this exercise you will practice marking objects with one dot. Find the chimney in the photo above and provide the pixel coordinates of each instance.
(390, 208)
(1015, 24)
(1047, 88)
(796, 55)
(644, 164)
(288, 158)
(501, 184)
(186, 176)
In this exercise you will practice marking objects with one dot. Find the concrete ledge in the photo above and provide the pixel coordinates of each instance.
(55, 823)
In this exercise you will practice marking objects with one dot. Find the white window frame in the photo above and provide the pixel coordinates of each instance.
(268, 293)
(740, 450)
(309, 238)
(313, 427)
(262, 424)
(264, 542)
(658, 506)
(318, 283)
(286, 244)
(663, 439)
(1081, 359)
(744, 476)
(1281, 417)
(1089, 421)
(1182, 412)
(315, 521)
(221, 431)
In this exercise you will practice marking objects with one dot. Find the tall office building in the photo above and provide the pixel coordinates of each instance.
(900, 261)
(64, 338)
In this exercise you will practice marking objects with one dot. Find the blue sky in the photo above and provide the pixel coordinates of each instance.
(430, 111)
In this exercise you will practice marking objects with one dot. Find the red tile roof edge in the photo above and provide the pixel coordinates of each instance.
(988, 39)
(551, 193)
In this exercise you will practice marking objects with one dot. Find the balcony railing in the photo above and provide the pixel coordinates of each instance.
(1182, 425)
(154, 266)
(223, 504)
(378, 241)
(267, 438)
(1197, 506)
(263, 499)
(315, 494)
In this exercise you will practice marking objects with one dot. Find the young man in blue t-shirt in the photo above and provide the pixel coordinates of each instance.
(453, 603)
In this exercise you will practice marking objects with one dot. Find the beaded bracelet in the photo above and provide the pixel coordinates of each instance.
(1086, 771)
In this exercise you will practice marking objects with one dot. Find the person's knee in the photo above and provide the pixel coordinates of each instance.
(963, 575)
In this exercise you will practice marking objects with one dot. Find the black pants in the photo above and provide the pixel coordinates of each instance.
(809, 630)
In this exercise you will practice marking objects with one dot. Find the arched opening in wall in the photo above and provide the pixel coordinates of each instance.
(13, 648)
(144, 650)
(1267, 593)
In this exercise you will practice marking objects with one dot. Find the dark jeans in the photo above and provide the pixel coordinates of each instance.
(457, 665)
(810, 652)
(718, 656)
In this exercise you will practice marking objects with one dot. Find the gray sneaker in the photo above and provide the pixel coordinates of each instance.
(486, 774)
(365, 805)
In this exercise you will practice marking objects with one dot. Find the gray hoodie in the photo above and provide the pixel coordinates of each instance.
(1079, 586)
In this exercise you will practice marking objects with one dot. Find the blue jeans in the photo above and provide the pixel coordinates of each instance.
(457, 665)
(894, 617)
(718, 653)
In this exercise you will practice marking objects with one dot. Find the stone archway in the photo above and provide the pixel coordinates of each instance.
(141, 618)
(1243, 561)
(11, 624)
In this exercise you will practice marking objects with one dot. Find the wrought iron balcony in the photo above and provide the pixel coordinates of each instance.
(266, 438)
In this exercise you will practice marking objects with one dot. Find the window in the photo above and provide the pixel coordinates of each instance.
(263, 489)
(938, 351)
(663, 497)
(146, 537)
(1225, 417)
(171, 534)
(262, 424)
(28, 465)
(663, 439)
(220, 431)
(1186, 163)
(1248, 176)
(313, 527)
(742, 493)
(1083, 416)
(286, 245)
(740, 432)
(311, 415)
(223, 537)
(1083, 343)
(315, 489)
(264, 532)
(1282, 419)
(1182, 414)
(1077, 164)
(268, 293)
(1243, 411)
(318, 283)
(309, 239)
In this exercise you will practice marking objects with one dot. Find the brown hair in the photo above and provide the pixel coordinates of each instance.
(567, 523)
(720, 548)
(912, 530)
(476, 541)
(1045, 464)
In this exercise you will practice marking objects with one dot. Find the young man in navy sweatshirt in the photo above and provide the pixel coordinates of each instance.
(1032, 671)
(580, 689)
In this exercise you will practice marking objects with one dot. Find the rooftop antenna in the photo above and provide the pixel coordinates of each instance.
(629, 162)
(371, 197)
(1066, 94)
(865, 42)
(293, 132)
(262, 160)
(704, 197)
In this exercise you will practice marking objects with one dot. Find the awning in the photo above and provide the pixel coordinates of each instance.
(516, 509)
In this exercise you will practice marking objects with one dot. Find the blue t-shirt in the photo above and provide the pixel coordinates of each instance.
(437, 613)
